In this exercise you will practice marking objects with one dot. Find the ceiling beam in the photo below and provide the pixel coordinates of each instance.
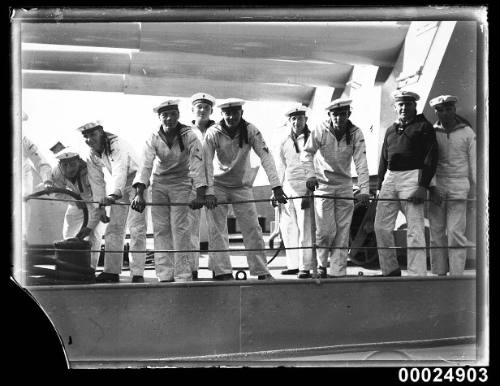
(375, 43)
(185, 87)
(79, 61)
(73, 81)
(253, 70)
(117, 35)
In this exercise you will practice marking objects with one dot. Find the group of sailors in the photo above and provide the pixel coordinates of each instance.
(207, 165)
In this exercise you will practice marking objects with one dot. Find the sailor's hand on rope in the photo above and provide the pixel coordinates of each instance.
(197, 203)
(435, 195)
(363, 198)
(108, 200)
(279, 195)
(138, 203)
(419, 196)
(84, 232)
(312, 183)
(210, 201)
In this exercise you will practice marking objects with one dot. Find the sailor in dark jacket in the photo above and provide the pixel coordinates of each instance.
(407, 164)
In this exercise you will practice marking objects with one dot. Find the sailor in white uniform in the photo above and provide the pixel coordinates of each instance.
(111, 152)
(202, 107)
(338, 142)
(179, 166)
(455, 179)
(295, 220)
(230, 141)
(71, 173)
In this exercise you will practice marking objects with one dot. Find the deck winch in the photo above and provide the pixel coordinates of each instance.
(71, 259)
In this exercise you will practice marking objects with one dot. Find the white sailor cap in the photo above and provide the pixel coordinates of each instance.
(203, 97)
(171, 104)
(90, 126)
(231, 102)
(402, 95)
(66, 153)
(297, 110)
(25, 116)
(339, 104)
(443, 99)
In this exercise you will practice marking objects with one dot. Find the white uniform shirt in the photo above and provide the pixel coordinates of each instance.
(38, 161)
(291, 171)
(457, 152)
(173, 165)
(201, 134)
(335, 157)
(229, 165)
(118, 158)
(81, 186)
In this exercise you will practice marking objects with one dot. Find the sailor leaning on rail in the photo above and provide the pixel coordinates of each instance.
(455, 179)
(71, 173)
(295, 220)
(202, 107)
(179, 161)
(407, 164)
(111, 152)
(336, 142)
(230, 141)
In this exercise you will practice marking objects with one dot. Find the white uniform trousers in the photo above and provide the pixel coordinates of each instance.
(195, 224)
(114, 236)
(171, 229)
(73, 220)
(246, 215)
(447, 227)
(333, 224)
(400, 184)
(295, 225)
(194, 228)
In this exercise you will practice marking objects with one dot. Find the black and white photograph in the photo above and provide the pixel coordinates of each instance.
(253, 187)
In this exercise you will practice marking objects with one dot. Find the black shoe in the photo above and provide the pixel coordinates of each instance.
(304, 275)
(267, 276)
(105, 277)
(137, 279)
(167, 281)
(224, 276)
(290, 272)
(194, 274)
(322, 273)
(396, 272)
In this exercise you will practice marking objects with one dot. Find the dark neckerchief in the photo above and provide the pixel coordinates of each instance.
(306, 133)
(242, 127)
(340, 133)
(177, 129)
(78, 178)
(107, 145)
(458, 125)
(210, 123)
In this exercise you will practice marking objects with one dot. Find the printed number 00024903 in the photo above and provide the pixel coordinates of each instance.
(451, 374)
